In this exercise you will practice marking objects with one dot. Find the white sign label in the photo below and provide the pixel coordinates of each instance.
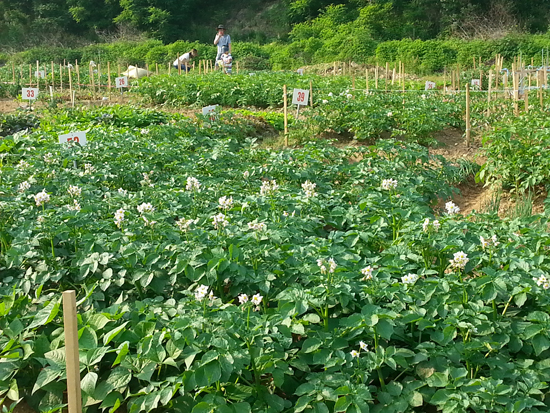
(78, 137)
(210, 109)
(252, 74)
(476, 82)
(300, 97)
(121, 82)
(300, 72)
(29, 93)
(41, 74)
(429, 85)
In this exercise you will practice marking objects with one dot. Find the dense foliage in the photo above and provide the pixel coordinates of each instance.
(217, 276)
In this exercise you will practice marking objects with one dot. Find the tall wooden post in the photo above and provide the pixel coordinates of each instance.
(367, 79)
(468, 125)
(78, 75)
(109, 79)
(285, 111)
(61, 77)
(311, 93)
(376, 77)
(70, 323)
(37, 74)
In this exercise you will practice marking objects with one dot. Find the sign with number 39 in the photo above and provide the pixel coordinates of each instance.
(29, 93)
(121, 82)
(300, 97)
(77, 137)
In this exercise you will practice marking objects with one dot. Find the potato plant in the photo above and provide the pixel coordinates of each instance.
(214, 276)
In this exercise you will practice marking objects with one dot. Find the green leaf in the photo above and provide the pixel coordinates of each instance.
(88, 383)
(119, 377)
(113, 333)
(98, 321)
(302, 403)
(87, 338)
(208, 374)
(311, 344)
(437, 380)
(540, 343)
(47, 375)
(520, 299)
(342, 404)
(415, 399)
(202, 407)
(384, 329)
(46, 315)
(122, 352)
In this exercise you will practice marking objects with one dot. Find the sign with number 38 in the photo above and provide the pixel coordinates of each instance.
(300, 97)
(29, 93)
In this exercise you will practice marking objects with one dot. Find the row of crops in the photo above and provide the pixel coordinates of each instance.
(216, 276)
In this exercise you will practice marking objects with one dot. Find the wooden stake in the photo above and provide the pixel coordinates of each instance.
(540, 90)
(78, 75)
(30, 75)
(157, 67)
(71, 86)
(61, 77)
(526, 99)
(376, 77)
(505, 85)
(109, 78)
(387, 75)
(237, 64)
(393, 77)
(468, 126)
(13, 71)
(70, 322)
(285, 115)
(353, 81)
(445, 81)
(93, 82)
(367, 79)
(489, 92)
(37, 74)
(147, 68)
(179, 65)
(193, 67)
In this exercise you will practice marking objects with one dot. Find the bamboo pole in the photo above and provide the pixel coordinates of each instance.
(78, 75)
(334, 69)
(53, 77)
(367, 79)
(541, 91)
(505, 85)
(61, 77)
(72, 361)
(109, 78)
(353, 81)
(285, 115)
(445, 81)
(157, 67)
(13, 71)
(526, 99)
(37, 74)
(393, 77)
(169, 68)
(92, 79)
(376, 77)
(30, 75)
(468, 126)
(387, 75)
(71, 86)
(147, 68)
(489, 92)
(193, 67)
(237, 64)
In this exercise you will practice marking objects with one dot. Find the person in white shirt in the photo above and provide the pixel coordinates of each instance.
(221, 40)
(184, 60)
(226, 61)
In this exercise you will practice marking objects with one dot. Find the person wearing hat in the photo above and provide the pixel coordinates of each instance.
(221, 40)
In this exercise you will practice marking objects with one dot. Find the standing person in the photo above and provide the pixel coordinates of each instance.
(184, 60)
(221, 40)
